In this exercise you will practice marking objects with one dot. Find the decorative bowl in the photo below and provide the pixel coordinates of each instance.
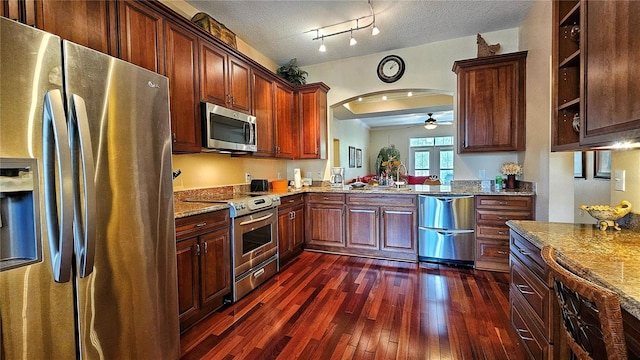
(607, 215)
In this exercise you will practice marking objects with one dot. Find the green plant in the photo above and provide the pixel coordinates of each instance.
(292, 73)
(388, 160)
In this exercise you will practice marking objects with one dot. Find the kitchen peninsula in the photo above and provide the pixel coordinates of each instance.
(608, 258)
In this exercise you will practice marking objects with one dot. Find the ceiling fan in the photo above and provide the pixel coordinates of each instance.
(430, 123)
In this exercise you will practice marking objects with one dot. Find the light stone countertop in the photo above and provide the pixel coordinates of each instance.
(609, 258)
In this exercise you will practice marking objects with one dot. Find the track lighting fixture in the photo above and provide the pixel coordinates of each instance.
(352, 40)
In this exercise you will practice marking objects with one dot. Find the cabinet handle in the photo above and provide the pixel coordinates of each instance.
(525, 338)
(502, 233)
(206, 248)
(503, 202)
(522, 287)
(292, 215)
(173, 137)
(523, 251)
(198, 249)
(201, 224)
(290, 201)
(326, 198)
(503, 218)
(502, 252)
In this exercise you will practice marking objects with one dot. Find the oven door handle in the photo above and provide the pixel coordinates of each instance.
(256, 220)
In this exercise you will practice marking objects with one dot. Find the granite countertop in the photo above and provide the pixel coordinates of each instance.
(184, 209)
(609, 258)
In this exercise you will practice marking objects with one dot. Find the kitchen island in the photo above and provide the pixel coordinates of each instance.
(608, 258)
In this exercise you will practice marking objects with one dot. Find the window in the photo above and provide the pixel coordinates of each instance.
(432, 156)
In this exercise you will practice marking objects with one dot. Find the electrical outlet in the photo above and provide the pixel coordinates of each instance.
(319, 175)
(619, 180)
(247, 177)
(278, 175)
(482, 173)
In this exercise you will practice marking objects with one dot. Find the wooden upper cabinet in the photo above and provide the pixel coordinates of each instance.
(141, 36)
(312, 121)
(213, 74)
(491, 103)
(226, 80)
(182, 60)
(285, 125)
(239, 84)
(611, 105)
(263, 110)
(88, 23)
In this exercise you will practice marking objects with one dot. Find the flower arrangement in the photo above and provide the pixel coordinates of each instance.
(511, 168)
(388, 161)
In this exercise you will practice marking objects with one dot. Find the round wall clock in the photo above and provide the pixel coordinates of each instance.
(391, 68)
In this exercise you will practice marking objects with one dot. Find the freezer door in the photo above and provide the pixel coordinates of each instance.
(446, 212)
(120, 131)
(446, 246)
(36, 313)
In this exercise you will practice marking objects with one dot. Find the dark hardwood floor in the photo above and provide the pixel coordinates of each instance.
(324, 306)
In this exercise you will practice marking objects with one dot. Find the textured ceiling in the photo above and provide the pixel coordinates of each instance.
(280, 29)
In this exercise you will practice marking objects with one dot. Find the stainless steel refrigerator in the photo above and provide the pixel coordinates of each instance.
(87, 240)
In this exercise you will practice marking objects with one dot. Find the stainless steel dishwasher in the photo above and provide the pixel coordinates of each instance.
(446, 229)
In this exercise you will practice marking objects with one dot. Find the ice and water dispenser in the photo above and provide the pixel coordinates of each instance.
(19, 213)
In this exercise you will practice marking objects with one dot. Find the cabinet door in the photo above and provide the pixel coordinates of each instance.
(285, 244)
(239, 85)
(88, 23)
(141, 36)
(213, 74)
(263, 110)
(285, 127)
(297, 233)
(215, 267)
(308, 124)
(326, 225)
(188, 279)
(362, 231)
(399, 229)
(23, 11)
(612, 72)
(182, 60)
(491, 103)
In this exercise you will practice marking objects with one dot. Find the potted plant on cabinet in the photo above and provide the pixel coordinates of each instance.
(292, 73)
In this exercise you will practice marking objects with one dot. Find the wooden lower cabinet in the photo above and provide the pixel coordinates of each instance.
(492, 233)
(290, 227)
(324, 227)
(204, 265)
(377, 226)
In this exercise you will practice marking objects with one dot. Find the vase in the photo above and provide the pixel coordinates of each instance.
(511, 181)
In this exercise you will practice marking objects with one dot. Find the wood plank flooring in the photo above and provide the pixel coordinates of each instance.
(323, 306)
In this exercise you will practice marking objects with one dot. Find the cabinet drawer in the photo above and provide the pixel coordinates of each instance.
(326, 198)
(534, 343)
(492, 255)
(382, 199)
(536, 294)
(504, 202)
(500, 217)
(292, 200)
(493, 250)
(500, 232)
(202, 223)
(530, 257)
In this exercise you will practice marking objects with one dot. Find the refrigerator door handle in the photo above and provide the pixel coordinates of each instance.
(82, 156)
(58, 185)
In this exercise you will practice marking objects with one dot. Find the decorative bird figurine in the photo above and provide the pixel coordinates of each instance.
(485, 49)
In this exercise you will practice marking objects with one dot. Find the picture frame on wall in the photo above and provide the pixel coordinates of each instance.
(358, 158)
(352, 157)
(602, 165)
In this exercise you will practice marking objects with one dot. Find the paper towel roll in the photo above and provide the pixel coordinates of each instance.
(297, 179)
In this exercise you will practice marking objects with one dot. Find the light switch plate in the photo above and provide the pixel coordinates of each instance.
(619, 180)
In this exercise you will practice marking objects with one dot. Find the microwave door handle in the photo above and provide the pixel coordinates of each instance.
(251, 133)
(56, 161)
(82, 152)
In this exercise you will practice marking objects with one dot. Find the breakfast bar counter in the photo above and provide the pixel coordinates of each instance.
(609, 258)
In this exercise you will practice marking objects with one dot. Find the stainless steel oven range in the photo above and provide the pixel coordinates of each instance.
(254, 240)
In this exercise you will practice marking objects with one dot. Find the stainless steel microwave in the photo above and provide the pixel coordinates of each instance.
(227, 130)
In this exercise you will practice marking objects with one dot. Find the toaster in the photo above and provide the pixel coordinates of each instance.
(259, 185)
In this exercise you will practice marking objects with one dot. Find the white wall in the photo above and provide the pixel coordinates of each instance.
(351, 133)
(427, 67)
(628, 160)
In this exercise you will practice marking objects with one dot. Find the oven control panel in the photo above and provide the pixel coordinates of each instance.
(254, 204)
